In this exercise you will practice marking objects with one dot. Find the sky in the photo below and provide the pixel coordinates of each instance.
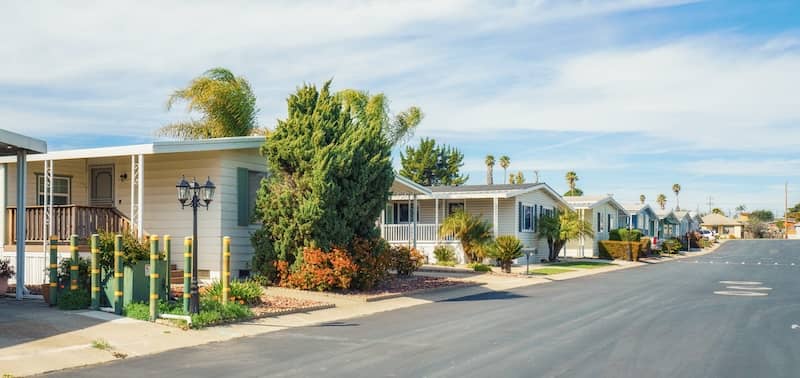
(633, 95)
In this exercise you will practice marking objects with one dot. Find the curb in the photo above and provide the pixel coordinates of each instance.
(365, 298)
(290, 311)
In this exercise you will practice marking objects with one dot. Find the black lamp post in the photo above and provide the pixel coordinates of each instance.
(196, 196)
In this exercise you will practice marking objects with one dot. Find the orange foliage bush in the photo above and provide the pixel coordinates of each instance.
(320, 270)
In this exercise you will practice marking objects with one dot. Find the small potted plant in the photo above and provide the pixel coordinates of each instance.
(6, 272)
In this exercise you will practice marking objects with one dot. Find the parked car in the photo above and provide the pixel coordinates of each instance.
(708, 235)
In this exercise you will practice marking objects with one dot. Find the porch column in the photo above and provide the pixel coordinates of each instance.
(22, 166)
(3, 203)
(436, 218)
(137, 194)
(408, 225)
(495, 216)
(140, 221)
(47, 225)
(383, 222)
(414, 227)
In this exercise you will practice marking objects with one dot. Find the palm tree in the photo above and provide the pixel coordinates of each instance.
(489, 169)
(677, 189)
(505, 161)
(642, 198)
(226, 105)
(662, 201)
(561, 227)
(571, 178)
(517, 178)
(717, 210)
(474, 234)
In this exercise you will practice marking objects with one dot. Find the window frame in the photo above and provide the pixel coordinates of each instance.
(527, 221)
(40, 194)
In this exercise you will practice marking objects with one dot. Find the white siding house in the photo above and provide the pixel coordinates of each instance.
(414, 213)
(133, 188)
(642, 217)
(604, 213)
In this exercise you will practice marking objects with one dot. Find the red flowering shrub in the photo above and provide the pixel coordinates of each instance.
(372, 258)
(322, 271)
(405, 260)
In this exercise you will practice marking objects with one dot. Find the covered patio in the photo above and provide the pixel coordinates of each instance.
(20, 146)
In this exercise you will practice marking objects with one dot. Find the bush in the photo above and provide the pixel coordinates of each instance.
(133, 250)
(478, 267)
(445, 254)
(646, 247)
(505, 249)
(6, 270)
(74, 300)
(137, 310)
(372, 259)
(405, 260)
(245, 292)
(446, 263)
(84, 278)
(618, 250)
(213, 312)
(622, 234)
(671, 245)
(320, 271)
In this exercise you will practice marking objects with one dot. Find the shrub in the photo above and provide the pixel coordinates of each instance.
(137, 310)
(212, 313)
(372, 259)
(646, 247)
(618, 250)
(133, 250)
(671, 245)
(84, 278)
(6, 270)
(445, 254)
(478, 267)
(248, 291)
(505, 249)
(321, 271)
(622, 234)
(446, 263)
(405, 260)
(74, 300)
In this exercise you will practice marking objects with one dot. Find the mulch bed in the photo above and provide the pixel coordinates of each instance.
(391, 288)
(272, 305)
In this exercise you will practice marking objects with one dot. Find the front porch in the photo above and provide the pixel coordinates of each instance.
(66, 220)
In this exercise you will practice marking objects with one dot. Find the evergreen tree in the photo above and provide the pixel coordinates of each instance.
(330, 175)
(432, 165)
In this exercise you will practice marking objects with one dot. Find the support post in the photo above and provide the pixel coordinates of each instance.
(22, 167)
(495, 216)
(140, 197)
(436, 219)
(95, 272)
(73, 264)
(118, 275)
(153, 277)
(226, 269)
(167, 271)
(187, 272)
(53, 270)
(414, 213)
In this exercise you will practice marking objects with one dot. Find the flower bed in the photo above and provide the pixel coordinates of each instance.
(273, 305)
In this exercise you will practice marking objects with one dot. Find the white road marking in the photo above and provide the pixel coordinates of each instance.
(759, 263)
(741, 293)
(741, 283)
(748, 288)
(742, 262)
(776, 263)
(795, 326)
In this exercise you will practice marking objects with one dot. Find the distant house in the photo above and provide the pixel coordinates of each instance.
(132, 188)
(642, 217)
(723, 225)
(414, 213)
(687, 222)
(668, 224)
(604, 213)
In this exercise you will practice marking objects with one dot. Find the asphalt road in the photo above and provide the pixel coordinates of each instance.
(662, 320)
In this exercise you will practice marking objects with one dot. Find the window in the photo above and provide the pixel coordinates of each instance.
(608, 222)
(527, 216)
(61, 190)
(401, 212)
(599, 223)
(454, 207)
(247, 184)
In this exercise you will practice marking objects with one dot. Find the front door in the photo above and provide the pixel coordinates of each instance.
(102, 186)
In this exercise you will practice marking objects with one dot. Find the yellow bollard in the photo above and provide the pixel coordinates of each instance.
(118, 275)
(73, 266)
(95, 273)
(226, 269)
(153, 277)
(187, 272)
(53, 270)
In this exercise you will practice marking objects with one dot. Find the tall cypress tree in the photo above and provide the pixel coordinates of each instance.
(330, 174)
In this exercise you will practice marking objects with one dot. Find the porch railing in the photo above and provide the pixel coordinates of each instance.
(67, 220)
(403, 232)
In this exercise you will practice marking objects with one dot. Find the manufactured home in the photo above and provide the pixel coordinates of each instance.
(604, 213)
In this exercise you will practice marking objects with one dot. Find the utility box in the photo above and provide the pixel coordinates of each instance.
(136, 284)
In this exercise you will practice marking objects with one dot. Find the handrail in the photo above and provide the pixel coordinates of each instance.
(67, 220)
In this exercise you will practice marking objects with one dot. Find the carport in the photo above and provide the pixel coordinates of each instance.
(12, 144)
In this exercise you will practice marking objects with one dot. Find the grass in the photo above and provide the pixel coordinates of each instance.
(101, 344)
(582, 264)
(550, 271)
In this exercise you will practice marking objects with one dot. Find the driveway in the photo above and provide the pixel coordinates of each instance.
(662, 320)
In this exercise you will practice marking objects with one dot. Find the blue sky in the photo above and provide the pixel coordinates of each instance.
(632, 95)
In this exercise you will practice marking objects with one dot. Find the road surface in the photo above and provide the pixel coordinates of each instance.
(732, 313)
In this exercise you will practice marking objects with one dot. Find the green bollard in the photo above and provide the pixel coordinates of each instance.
(167, 263)
(53, 270)
(118, 275)
(153, 277)
(73, 266)
(226, 269)
(187, 272)
(95, 272)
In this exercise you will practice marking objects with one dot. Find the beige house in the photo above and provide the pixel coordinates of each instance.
(604, 213)
(723, 225)
(133, 188)
(414, 213)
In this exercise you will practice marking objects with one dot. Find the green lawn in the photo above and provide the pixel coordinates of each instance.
(582, 264)
(550, 271)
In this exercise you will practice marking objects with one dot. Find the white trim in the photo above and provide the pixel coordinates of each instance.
(411, 184)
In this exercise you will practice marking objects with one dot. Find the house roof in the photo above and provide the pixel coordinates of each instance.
(11, 143)
(480, 188)
(667, 215)
(477, 191)
(157, 147)
(590, 202)
(719, 220)
(682, 214)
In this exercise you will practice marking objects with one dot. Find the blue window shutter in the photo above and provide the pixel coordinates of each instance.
(243, 196)
(521, 215)
(535, 218)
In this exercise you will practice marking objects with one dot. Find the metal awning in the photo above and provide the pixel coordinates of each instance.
(12, 144)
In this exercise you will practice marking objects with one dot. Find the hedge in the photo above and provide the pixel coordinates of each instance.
(618, 250)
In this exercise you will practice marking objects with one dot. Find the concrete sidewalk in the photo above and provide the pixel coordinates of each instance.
(69, 335)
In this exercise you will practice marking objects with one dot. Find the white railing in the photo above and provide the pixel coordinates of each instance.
(35, 266)
(426, 232)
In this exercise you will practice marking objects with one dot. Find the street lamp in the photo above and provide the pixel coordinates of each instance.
(194, 195)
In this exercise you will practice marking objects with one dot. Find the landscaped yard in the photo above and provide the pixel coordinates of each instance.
(581, 264)
(550, 271)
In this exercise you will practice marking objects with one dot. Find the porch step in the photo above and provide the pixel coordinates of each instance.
(175, 276)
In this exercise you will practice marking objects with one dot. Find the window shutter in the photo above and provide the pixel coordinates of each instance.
(535, 220)
(243, 196)
(521, 215)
